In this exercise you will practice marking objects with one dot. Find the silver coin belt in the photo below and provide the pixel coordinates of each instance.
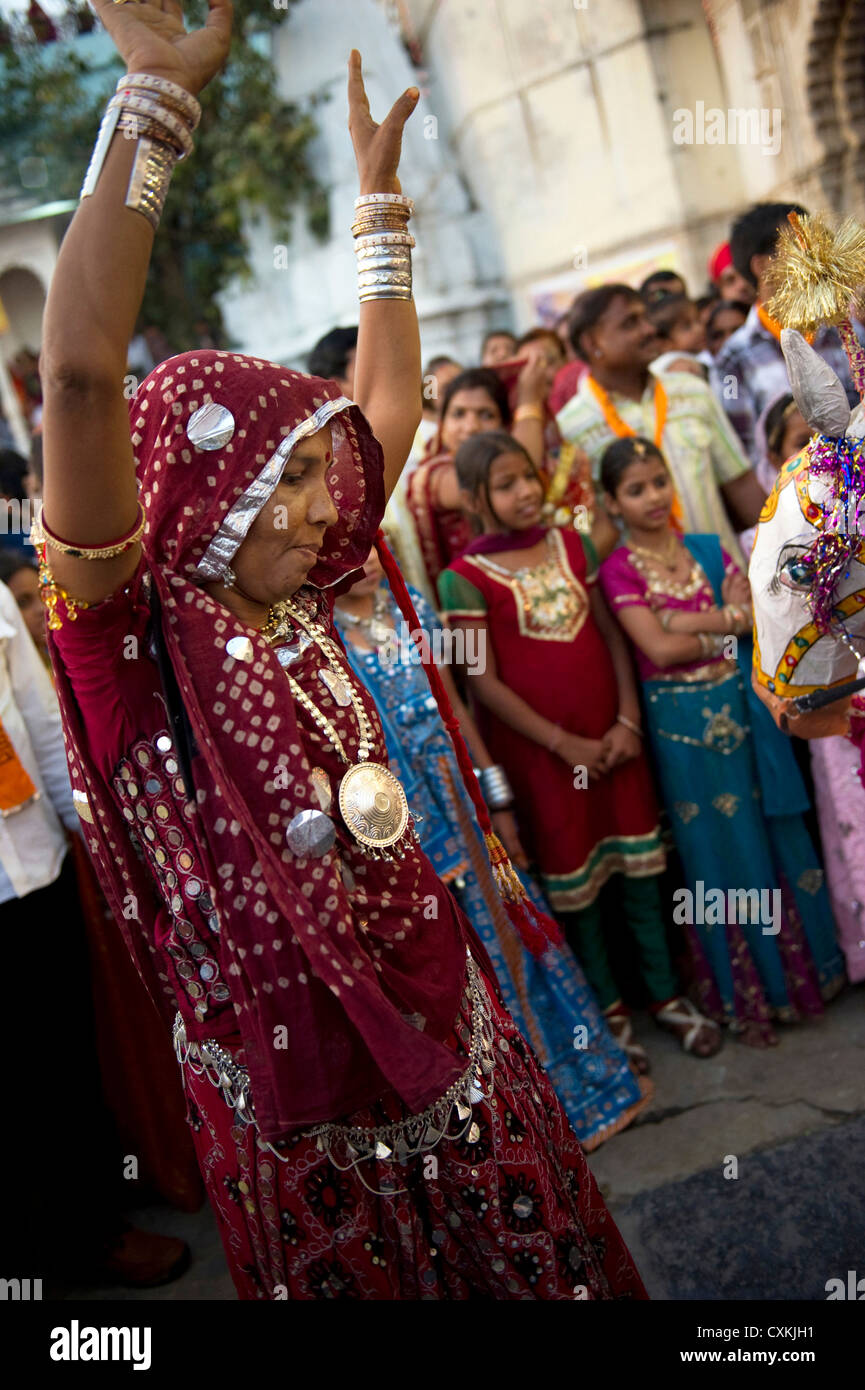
(448, 1118)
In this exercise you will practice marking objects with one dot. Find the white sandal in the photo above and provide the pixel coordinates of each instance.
(619, 1025)
(681, 1012)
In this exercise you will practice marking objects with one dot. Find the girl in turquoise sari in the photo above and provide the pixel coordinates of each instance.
(549, 998)
(756, 911)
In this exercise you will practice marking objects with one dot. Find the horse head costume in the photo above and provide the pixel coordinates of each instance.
(807, 568)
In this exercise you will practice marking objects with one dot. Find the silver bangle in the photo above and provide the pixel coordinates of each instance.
(397, 254)
(384, 284)
(100, 151)
(154, 159)
(496, 788)
(386, 262)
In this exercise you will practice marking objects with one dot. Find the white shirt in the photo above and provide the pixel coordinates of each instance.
(32, 843)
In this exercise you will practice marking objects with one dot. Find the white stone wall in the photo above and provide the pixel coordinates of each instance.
(562, 120)
(458, 285)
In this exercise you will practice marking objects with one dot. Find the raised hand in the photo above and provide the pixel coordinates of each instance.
(532, 380)
(151, 37)
(377, 148)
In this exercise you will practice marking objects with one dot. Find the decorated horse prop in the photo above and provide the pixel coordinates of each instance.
(807, 568)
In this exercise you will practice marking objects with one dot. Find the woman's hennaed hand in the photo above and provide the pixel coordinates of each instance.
(151, 37)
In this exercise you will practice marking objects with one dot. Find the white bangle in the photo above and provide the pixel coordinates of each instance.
(176, 129)
(186, 102)
(371, 199)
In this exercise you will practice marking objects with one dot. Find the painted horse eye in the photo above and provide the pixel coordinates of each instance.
(796, 574)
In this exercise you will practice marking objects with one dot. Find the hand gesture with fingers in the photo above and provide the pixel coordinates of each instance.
(151, 37)
(377, 148)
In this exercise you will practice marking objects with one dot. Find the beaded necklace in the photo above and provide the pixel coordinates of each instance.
(371, 799)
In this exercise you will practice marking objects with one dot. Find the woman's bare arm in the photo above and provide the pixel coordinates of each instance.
(387, 372)
(93, 303)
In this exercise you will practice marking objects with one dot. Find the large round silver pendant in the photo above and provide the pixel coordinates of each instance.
(310, 834)
(373, 805)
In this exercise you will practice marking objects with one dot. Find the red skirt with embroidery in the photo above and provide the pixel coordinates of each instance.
(514, 1215)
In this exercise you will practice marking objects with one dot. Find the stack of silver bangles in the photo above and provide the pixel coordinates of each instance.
(383, 246)
(160, 116)
(495, 787)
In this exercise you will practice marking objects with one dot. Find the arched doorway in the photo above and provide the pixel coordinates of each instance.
(22, 295)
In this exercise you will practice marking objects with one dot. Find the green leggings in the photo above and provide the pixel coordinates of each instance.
(642, 913)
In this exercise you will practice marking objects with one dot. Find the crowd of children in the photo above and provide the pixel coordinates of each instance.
(584, 506)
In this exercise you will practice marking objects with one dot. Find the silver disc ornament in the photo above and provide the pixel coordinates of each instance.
(210, 427)
(310, 834)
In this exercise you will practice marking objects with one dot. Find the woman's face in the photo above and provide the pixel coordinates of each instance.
(468, 413)
(284, 540)
(24, 585)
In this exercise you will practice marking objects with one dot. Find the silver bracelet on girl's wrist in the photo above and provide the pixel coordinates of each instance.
(496, 788)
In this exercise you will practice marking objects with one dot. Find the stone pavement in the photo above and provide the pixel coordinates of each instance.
(793, 1118)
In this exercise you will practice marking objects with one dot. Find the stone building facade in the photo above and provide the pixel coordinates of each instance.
(551, 148)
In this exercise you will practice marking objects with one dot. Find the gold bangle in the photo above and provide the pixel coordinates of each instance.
(530, 412)
(43, 535)
(389, 222)
(629, 724)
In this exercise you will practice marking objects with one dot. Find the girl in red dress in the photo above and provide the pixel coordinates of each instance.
(558, 707)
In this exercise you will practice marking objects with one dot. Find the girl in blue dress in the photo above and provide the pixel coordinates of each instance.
(549, 998)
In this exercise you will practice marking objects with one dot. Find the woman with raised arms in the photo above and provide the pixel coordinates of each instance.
(368, 1120)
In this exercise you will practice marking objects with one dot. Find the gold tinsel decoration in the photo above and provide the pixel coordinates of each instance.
(816, 273)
